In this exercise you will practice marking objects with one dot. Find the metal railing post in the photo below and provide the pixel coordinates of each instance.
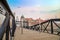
(41, 27)
(8, 28)
(13, 27)
(51, 27)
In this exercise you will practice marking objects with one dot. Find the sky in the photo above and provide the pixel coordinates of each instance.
(43, 9)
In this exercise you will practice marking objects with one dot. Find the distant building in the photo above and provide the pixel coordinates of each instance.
(25, 22)
(33, 22)
(17, 21)
(29, 21)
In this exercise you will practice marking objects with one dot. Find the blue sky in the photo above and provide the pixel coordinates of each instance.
(18, 3)
(41, 7)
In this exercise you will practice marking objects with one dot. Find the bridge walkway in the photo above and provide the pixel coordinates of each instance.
(33, 35)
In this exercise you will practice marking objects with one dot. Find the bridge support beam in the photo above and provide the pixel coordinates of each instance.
(41, 27)
(51, 27)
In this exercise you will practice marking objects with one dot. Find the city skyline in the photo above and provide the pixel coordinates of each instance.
(44, 9)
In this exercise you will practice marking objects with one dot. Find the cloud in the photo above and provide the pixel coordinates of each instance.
(35, 12)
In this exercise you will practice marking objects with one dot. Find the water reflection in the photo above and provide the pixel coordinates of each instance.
(2, 17)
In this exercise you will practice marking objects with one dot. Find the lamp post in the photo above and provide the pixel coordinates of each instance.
(22, 26)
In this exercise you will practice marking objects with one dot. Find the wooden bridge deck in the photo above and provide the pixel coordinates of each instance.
(34, 35)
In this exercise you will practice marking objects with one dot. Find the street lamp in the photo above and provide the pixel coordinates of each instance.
(22, 20)
(22, 26)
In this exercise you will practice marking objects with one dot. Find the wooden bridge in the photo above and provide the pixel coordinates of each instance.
(8, 30)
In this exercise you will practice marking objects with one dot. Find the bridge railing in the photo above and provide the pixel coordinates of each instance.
(51, 26)
(5, 28)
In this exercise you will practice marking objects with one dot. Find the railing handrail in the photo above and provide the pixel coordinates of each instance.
(47, 21)
(50, 22)
(5, 27)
